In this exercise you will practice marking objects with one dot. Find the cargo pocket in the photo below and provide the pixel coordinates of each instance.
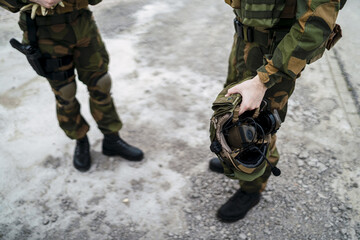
(334, 37)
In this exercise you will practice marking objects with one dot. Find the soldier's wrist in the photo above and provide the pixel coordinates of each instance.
(265, 79)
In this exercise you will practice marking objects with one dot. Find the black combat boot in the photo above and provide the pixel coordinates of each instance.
(113, 145)
(237, 206)
(82, 160)
(215, 165)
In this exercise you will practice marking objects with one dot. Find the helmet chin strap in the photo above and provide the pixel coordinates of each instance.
(276, 171)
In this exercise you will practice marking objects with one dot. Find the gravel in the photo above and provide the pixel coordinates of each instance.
(315, 197)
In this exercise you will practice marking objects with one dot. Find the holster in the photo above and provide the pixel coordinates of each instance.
(48, 67)
(44, 66)
(334, 37)
(37, 62)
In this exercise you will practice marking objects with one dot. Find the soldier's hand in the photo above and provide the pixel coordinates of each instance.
(47, 3)
(252, 92)
(44, 10)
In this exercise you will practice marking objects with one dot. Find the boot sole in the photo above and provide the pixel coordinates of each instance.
(82, 169)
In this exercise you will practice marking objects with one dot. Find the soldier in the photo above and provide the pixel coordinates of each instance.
(274, 40)
(59, 37)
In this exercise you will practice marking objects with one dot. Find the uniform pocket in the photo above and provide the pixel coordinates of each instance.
(334, 37)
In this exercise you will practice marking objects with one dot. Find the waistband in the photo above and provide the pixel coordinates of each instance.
(264, 37)
(57, 18)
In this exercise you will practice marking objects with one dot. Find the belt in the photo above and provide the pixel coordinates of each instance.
(263, 37)
(59, 18)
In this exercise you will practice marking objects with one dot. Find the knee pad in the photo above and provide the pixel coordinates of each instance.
(100, 93)
(65, 95)
(104, 83)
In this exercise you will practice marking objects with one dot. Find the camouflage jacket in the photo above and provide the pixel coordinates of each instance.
(315, 21)
(70, 5)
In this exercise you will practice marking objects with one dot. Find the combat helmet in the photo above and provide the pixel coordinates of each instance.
(241, 142)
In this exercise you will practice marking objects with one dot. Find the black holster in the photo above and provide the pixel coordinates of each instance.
(32, 54)
(37, 62)
(43, 66)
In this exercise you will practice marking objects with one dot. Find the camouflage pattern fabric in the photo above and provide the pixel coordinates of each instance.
(70, 5)
(259, 184)
(80, 40)
(280, 63)
(11, 5)
(304, 43)
(227, 108)
(245, 58)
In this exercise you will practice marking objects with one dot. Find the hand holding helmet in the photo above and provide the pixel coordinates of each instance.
(252, 92)
(241, 142)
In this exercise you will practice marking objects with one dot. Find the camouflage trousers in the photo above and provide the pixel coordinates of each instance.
(244, 60)
(78, 40)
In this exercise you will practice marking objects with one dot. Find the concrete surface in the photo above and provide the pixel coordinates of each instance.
(168, 62)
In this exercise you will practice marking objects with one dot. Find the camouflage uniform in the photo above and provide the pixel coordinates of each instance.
(70, 32)
(278, 55)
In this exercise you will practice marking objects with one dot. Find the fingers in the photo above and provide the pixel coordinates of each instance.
(231, 91)
(252, 92)
(33, 10)
(48, 3)
(44, 11)
(27, 7)
(44, 8)
(247, 105)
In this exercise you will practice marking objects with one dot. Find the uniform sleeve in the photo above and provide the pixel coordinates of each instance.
(94, 2)
(13, 5)
(315, 21)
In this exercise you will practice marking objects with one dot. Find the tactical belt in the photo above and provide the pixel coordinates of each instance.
(59, 18)
(263, 37)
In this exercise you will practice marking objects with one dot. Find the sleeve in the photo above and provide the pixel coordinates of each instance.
(94, 2)
(13, 5)
(315, 22)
